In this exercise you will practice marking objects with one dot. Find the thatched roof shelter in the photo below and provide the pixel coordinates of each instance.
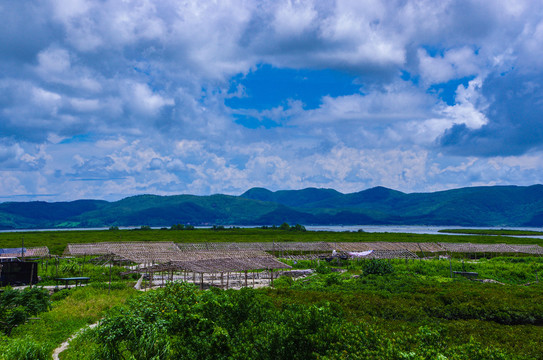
(206, 257)
(105, 248)
(262, 246)
(222, 256)
(491, 248)
(386, 246)
(42, 251)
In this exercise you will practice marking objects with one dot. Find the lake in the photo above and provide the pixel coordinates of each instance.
(410, 229)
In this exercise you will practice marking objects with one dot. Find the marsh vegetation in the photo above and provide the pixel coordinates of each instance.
(346, 309)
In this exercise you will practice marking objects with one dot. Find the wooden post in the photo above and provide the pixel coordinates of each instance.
(109, 288)
(245, 278)
(254, 279)
(202, 281)
(271, 275)
(222, 280)
(31, 275)
(227, 279)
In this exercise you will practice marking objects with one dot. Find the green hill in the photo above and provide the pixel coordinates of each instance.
(506, 206)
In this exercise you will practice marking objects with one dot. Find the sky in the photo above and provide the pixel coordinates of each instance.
(104, 99)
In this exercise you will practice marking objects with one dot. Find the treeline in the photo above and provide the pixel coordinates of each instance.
(284, 226)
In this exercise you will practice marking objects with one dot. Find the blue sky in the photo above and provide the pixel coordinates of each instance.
(108, 99)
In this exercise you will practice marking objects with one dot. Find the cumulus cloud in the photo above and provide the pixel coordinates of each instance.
(106, 99)
(453, 64)
(143, 100)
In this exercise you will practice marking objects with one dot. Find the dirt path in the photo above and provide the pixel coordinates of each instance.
(65, 344)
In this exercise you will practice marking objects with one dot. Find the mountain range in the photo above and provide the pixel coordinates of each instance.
(507, 206)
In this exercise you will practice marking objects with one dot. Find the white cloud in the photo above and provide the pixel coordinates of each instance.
(111, 98)
(55, 66)
(85, 104)
(46, 99)
(293, 18)
(143, 100)
(455, 63)
(10, 185)
(470, 106)
(53, 61)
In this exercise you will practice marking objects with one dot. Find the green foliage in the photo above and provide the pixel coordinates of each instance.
(492, 232)
(56, 241)
(377, 267)
(71, 267)
(322, 268)
(181, 227)
(70, 311)
(180, 321)
(416, 312)
(283, 282)
(24, 349)
(16, 306)
(284, 226)
(477, 206)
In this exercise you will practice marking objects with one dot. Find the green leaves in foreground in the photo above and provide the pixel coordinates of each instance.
(377, 267)
(181, 322)
(16, 306)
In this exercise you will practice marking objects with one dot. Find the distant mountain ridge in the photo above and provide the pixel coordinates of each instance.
(471, 206)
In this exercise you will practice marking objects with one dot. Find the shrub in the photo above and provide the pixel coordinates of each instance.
(323, 269)
(24, 349)
(377, 267)
(16, 306)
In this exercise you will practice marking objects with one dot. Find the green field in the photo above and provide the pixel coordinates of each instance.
(505, 232)
(381, 309)
(57, 240)
(389, 310)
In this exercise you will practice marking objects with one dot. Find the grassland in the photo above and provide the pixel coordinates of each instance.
(416, 311)
(413, 312)
(57, 240)
(506, 232)
(70, 311)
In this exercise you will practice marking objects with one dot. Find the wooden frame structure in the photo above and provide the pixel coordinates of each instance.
(164, 252)
(41, 251)
(166, 257)
(205, 263)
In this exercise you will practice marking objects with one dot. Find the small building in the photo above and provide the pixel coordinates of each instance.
(16, 272)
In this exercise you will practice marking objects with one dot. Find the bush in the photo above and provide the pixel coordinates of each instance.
(24, 349)
(377, 267)
(323, 269)
(16, 306)
(283, 282)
